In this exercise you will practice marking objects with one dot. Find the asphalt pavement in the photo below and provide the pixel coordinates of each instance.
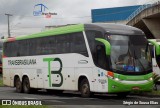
(73, 99)
(69, 99)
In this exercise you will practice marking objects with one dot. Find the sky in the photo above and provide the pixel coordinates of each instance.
(23, 22)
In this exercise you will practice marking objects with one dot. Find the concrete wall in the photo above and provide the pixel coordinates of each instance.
(149, 18)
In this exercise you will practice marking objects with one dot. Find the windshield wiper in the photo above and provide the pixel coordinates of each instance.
(139, 61)
(130, 57)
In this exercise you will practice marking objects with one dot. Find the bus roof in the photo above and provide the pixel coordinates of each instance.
(115, 28)
(112, 28)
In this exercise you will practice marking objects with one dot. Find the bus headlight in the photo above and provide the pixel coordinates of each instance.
(116, 79)
(150, 79)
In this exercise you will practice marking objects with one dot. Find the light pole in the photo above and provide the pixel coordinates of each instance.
(8, 16)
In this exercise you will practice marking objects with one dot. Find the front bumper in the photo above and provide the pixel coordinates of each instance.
(119, 86)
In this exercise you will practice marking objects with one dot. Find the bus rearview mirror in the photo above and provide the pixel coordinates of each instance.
(106, 44)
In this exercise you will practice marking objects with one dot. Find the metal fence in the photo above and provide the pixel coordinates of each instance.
(143, 7)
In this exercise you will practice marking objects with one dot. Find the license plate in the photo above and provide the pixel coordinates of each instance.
(135, 88)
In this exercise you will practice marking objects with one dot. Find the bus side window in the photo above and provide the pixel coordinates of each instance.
(79, 45)
(91, 35)
(100, 55)
(11, 49)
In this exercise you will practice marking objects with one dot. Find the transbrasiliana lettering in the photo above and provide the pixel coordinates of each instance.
(22, 62)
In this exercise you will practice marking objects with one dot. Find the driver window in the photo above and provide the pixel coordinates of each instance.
(100, 56)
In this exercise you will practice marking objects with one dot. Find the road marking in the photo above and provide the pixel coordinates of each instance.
(53, 100)
(29, 98)
(144, 97)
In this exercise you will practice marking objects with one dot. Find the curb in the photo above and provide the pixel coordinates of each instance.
(146, 95)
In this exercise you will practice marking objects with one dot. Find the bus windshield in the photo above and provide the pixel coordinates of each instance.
(129, 53)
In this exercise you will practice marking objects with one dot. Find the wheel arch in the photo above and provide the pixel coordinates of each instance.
(15, 77)
(24, 76)
(81, 77)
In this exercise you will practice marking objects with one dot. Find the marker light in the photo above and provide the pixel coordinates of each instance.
(11, 39)
(110, 74)
(151, 79)
(116, 79)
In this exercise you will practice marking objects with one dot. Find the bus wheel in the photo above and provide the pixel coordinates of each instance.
(84, 88)
(26, 85)
(18, 85)
(122, 94)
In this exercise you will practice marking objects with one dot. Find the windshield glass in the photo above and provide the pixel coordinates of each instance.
(129, 53)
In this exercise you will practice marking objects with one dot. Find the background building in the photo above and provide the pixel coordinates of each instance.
(113, 15)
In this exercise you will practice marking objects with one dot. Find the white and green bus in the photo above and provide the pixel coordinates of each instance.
(155, 47)
(90, 58)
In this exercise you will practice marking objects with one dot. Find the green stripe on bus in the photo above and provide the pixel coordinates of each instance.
(55, 31)
(49, 68)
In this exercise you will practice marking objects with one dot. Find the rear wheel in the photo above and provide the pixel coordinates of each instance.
(84, 88)
(18, 85)
(26, 85)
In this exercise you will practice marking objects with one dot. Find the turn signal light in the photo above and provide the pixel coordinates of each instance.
(110, 74)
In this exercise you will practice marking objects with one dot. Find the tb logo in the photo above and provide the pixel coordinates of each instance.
(50, 72)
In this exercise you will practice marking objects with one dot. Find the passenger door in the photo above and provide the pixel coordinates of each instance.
(40, 76)
(155, 66)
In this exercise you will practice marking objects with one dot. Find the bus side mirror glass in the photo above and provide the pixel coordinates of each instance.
(100, 48)
(101, 57)
(107, 45)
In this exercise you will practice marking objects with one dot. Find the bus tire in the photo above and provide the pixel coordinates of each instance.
(85, 89)
(26, 85)
(18, 85)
